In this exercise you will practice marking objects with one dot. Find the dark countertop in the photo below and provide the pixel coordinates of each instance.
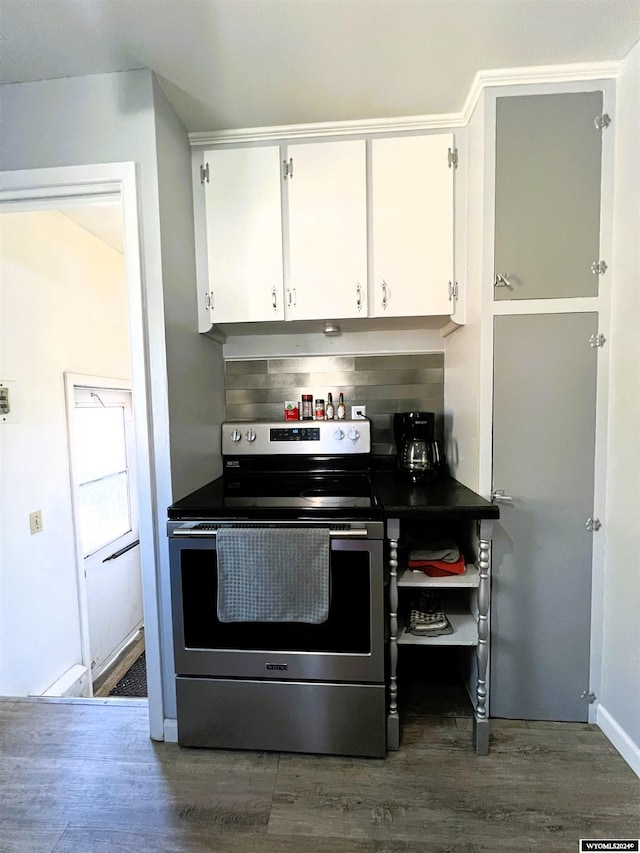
(399, 498)
(446, 497)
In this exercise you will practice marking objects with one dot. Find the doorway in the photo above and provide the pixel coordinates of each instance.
(46, 189)
(105, 513)
(31, 564)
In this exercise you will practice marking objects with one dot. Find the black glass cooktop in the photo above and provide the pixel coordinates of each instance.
(285, 496)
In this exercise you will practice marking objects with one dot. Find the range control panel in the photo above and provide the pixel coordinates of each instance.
(276, 437)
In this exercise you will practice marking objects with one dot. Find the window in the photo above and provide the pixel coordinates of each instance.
(102, 471)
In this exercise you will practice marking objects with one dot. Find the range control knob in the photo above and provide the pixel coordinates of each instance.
(250, 436)
(338, 435)
(236, 436)
(353, 434)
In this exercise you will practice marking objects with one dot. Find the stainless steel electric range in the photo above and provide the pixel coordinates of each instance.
(274, 682)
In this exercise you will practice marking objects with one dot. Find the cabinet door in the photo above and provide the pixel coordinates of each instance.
(327, 228)
(244, 234)
(548, 167)
(412, 219)
(543, 458)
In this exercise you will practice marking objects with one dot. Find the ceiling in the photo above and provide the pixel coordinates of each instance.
(231, 64)
(102, 220)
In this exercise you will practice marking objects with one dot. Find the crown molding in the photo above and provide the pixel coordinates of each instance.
(290, 132)
(501, 77)
(537, 75)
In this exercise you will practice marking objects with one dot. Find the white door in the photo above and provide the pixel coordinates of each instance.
(327, 231)
(412, 225)
(106, 517)
(244, 234)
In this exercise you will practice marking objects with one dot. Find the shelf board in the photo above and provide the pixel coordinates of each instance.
(465, 633)
(470, 579)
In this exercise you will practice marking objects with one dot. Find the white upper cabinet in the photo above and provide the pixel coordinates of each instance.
(412, 226)
(327, 230)
(288, 235)
(244, 235)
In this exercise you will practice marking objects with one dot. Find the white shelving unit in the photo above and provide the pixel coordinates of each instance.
(462, 620)
(470, 579)
(466, 603)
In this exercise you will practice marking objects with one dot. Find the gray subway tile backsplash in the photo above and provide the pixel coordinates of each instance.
(257, 389)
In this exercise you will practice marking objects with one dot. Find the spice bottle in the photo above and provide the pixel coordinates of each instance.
(319, 410)
(307, 407)
(341, 410)
(329, 411)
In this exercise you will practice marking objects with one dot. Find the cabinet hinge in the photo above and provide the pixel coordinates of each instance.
(597, 340)
(599, 267)
(287, 168)
(603, 121)
(588, 696)
(452, 157)
(593, 525)
(453, 291)
(204, 173)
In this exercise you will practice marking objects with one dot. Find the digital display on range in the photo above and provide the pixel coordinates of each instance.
(294, 434)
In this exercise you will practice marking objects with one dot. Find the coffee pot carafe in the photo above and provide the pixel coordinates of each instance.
(420, 455)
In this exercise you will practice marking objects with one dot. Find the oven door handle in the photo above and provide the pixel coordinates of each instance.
(356, 533)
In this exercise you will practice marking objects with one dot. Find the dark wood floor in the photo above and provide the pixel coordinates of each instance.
(82, 777)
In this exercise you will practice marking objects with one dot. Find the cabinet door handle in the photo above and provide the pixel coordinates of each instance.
(502, 281)
(274, 295)
(207, 300)
(289, 297)
(385, 298)
(359, 297)
(295, 299)
(499, 496)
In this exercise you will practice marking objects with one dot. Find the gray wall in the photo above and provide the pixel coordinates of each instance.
(195, 372)
(194, 365)
(385, 384)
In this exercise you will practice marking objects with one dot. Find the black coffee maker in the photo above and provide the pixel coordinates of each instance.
(420, 455)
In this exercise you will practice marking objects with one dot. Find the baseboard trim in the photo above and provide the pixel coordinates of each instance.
(629, 750)
(171, 731)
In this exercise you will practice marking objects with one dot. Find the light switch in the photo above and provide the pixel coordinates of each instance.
(5, 408)
(35, 521)
(8, 402)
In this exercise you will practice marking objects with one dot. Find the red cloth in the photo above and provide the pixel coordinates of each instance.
(439, 568)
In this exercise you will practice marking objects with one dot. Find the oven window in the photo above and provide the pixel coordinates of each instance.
(347, 629)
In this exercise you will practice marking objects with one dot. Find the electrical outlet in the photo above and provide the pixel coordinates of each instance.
(35, 521)
(358, 413)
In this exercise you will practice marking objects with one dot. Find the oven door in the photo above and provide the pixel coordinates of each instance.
(347, 647)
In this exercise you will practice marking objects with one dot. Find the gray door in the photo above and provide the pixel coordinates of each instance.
(543, 457)
(548, 168)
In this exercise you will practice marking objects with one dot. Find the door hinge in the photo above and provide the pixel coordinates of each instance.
(599, 267)
(593, 524)
(597, 340)
(452, 157)
(588, 696)
(204, 173)
(603, 121)
(453, 291)
(287, 168)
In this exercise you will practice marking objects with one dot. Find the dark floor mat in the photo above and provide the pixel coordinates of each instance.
(133, 682)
